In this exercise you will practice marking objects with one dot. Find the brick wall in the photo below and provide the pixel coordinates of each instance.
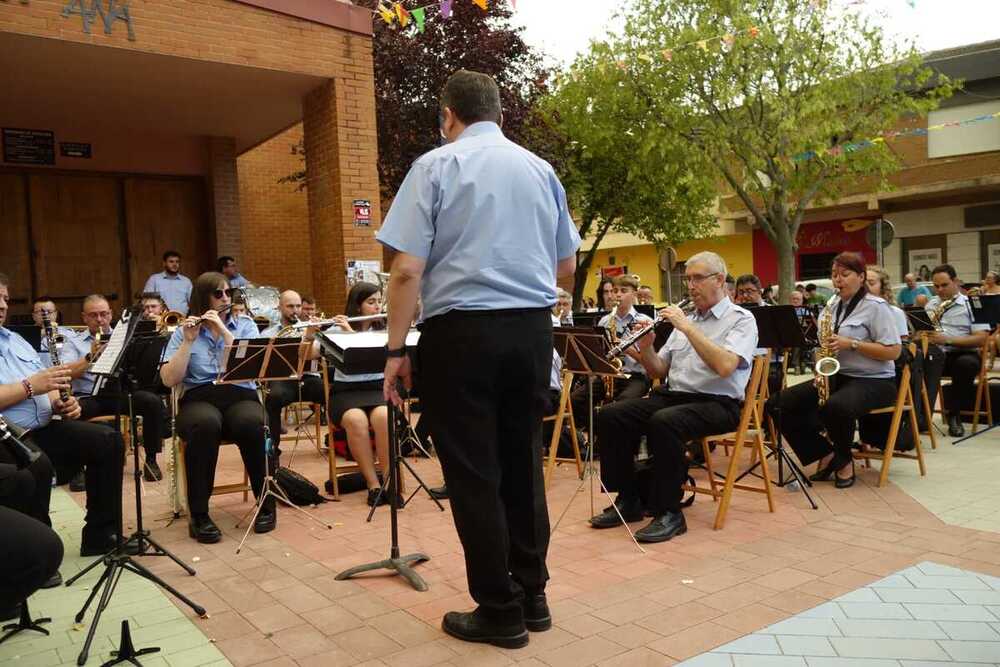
(225, 196)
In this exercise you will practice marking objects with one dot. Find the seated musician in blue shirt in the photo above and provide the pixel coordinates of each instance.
(706, 361)
(210, 413)
(30, 399)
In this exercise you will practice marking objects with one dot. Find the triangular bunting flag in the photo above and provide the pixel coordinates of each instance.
(480, 3)
(446, 9)
(387, 14)
(403, 15)
(418, 18)
(645, 57)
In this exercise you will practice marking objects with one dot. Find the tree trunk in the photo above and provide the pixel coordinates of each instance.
(585, 262)
(786, 261)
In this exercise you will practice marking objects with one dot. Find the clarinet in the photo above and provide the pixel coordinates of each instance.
(24, 456)
(50, 337)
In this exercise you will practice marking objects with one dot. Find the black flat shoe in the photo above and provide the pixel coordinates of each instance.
(537, 617)
(267, 520)
(824, 474)
(439, 492)
(151, 472)
(630, 509)
(78, 483)
(203, 529)
(663, 528)
(376, 499)
(472, 627)
(53, 581)
(955, 427)
(846, 482)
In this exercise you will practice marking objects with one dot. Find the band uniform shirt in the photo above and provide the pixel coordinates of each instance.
(43, 348)
(729, 326)
(238, 281)
(957, 320)
(174, 290)
(76, 348)
(208, 353)
(491, 220)
(871, 321)
(19, 361)
(623, 326)
(902, 324)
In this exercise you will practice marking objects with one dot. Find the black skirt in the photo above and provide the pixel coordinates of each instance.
(347, 395)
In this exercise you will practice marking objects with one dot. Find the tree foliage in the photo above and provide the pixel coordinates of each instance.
(774, 95)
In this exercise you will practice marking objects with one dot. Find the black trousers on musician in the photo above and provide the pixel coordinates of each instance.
(72, 444)
(484, 378)
(962, 366)
(208, 415)
(668, 419)
(635, 386)
(145, 404)
(30, 551)
(803, 421)
(27, 490)
(282, 393)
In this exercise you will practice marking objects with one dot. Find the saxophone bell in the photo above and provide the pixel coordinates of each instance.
(827, 366)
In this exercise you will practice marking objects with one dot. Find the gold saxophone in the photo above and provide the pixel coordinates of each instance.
(611, 331)
(826, 360)
(939, 311)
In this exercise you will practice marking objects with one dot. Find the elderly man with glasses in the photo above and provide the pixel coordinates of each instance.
(706, 362)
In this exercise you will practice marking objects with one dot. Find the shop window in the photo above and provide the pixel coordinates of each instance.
(816, 265)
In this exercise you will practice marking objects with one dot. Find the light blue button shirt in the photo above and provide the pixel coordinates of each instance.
(729, 326)
(622, 328)
(238, 281)
(491, 220)
(77, 348)
(43, 354)
(175, 290)
(18, 360)
(208, 353)
(871, 321)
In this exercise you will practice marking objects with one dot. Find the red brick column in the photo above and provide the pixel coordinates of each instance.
(225, 196)
(341, 152)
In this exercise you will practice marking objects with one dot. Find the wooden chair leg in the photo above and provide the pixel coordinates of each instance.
(975, 410)
(890, 443)
(574, 439)
(759, 449)
(916, 438)
(727, 488)
(928, 414)
(707, 454)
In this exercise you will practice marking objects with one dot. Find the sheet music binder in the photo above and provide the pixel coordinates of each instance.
(358, 353)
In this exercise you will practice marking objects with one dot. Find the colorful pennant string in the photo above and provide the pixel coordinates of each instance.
(397, 13)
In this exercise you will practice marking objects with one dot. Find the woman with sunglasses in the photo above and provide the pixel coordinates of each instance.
(357, 404)
(865, 340)
(210, 413)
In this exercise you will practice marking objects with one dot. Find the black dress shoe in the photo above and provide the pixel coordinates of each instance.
(267, 520)
(536, 613)
(845, 482)
(630, 509)
(472, 627)
(663, 528)
(377, 498)
(955, 427)
(99, 547)
(53, 581)
(439, 492)
(78, 482)
(202, 528)
(151, 472)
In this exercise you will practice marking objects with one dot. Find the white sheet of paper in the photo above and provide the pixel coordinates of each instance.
(346, 341)
(112, 350)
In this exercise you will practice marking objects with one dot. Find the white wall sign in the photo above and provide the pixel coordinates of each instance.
(921, 262)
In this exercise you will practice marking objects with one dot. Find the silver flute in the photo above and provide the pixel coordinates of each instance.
(305, 324)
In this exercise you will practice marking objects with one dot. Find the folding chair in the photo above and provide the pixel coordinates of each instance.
(338, 465)
(983, 405)
(750, 427)
(563, 411)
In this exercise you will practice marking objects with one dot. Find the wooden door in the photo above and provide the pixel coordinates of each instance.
(75, 222)
(15, 248)
(167, 214)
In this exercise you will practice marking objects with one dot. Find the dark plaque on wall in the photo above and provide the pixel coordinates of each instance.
(74, 149)
(22, 146)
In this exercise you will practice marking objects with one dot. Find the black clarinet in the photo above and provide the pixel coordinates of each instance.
(53, 343)
(23, 455)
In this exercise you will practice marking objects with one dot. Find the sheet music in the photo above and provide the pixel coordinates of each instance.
(106, 362)
(346, 341)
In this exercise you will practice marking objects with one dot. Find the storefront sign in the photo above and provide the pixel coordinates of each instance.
(922, 261)
(74, 149)
(363, 270)
(22, 146)
(993, 257)
(108, 11)
(362, 213)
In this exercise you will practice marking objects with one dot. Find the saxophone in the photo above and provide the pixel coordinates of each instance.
(939, 311)
(611, 333)
(826, 360)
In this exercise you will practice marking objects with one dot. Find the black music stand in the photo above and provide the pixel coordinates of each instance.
(985, 310)
(778, 328)
(113, 363)
(920, 320)
(358, 359)
(584, 352)
(259, 360)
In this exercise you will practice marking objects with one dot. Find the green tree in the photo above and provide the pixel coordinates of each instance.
(780, 97)
(621, 171)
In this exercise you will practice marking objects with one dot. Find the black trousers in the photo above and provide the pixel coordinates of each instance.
(484, 377)
(668, 419)
(208, 415)
(72, 444)
(27, 490)
(803, 421)
(30, 551)
(145, 404)
(962, 366)
(282, 393)
(635, 386)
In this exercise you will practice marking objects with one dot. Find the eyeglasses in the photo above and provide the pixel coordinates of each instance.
(45, 312)
(697, 279)
(219, 293)
(747, 291)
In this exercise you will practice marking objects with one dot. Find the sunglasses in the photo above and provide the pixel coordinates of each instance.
(219, 293)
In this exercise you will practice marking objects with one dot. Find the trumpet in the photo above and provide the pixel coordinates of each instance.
(168, 321)
(630, 339)
(199, 320)
(305, 324)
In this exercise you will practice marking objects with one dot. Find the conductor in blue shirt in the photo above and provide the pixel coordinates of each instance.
(481, 230)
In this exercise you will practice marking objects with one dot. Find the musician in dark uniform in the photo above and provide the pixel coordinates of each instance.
(481, 228)
(863, 335)
(954, 350)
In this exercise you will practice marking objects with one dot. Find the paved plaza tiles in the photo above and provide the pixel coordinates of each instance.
(899, 576)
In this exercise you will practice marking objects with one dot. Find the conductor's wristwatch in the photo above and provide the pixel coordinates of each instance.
(395, 354)
(855, 344)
